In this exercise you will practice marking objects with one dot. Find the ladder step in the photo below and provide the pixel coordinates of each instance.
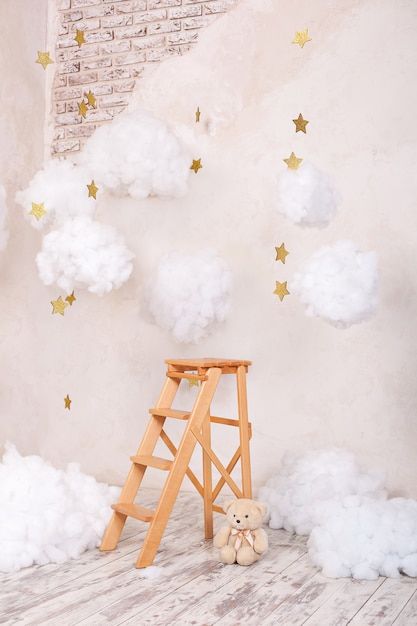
(134, 510)
(172, 374)
(179, 415)
(152, 461)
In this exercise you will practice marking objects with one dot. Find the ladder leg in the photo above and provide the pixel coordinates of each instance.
(207, 481)
(244, 432)
(178, 470)
(135, 476)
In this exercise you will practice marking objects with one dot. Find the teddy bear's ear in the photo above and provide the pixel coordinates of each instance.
(262, 507)
(228, 503)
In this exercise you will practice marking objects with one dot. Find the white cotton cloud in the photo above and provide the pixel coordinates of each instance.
(4, 233)
(61, 187)
(189, 294)
(307, 196)
(307, 486)
(365, 538)
(48, 515)
(84, 253)
(339, 283)
(138, 154)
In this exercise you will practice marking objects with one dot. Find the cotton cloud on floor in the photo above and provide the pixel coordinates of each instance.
(61, 187)
(189, 294)
(355, 530)
(307, 196)
(48, 515)
(338, 283)
(4, 233)
(84, 253)
(139, 155)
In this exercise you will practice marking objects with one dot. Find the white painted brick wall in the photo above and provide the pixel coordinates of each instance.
(122, 36)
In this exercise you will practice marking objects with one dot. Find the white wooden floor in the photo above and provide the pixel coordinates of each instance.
(193, 588)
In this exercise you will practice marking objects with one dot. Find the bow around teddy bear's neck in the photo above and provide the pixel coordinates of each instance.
(241, 535)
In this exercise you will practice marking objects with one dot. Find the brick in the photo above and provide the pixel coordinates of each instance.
(115, 74)
(117, 20)
(61, 147)
(129, 58)
(69, 67)
(85, 25)
(114, 100)
(96, 64)
(103, 35)
(68, 118)
(83, 130)
(220, 6)
(96, 115)
(129, 32)
(62, 29)
(59, 133)
(195, 22)
(157, 4)
(99, 11)
(150, 16)
(124, 86)
(164, 27)
(68, 94)
(66, 41)
(60, 107)
(60, 80)
(161, 53)
(82, 78)
(61, 55)
(86, 51)
(101, 90)
(130, 7)
(155, 41)
(72, 16)
(181, 12)
(115, 46)
(84, 3)
(63, 5)
(183, 37)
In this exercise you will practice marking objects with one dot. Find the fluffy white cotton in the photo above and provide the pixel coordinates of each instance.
(307, 196)
(307, 486)
(84, 253)
(139, 155)
(4, 233)
(339, 284)
(365, 538)
(61, 187)
(189, 294)
(48, 515)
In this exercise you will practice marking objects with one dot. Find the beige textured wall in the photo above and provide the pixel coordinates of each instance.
(310, 384)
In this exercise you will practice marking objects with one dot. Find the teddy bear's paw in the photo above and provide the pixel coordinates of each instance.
(228, 555)
(246, 556)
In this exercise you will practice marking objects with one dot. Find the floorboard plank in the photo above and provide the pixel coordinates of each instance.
(408, 614)
(386, 604)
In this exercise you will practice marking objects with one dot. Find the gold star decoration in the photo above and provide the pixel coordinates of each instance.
(301, 38)
(67, 402)
(92, 190)
(196, 165)
(193, 382)
(58, 306)
(91, 99)
(300, 124)
(70, 299)
(38, 210)
(293, 162)
(281, 253)
(44, 59)
(82, 108)
(281, 290)
(197, 114)
(79, 37)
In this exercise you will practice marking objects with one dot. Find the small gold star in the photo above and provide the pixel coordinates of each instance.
(82, 108)
(38, 210)
(281, 290)
(70, 299)
(193, 382)
(44, 59)
(197, 114)
(293, 162)
(92, 190)
(58, 306)
(300, 124)
(196, 165)
(67, 401)
(301, 37)
(281, 253)
(91, 99)
(79, 37)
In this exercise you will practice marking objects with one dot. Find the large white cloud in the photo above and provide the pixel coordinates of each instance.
(4, 233)
(339, 284)
(48, 515)
(307, 196)
(138, 154)
(61, 187)
(84, 253)
(189, 294)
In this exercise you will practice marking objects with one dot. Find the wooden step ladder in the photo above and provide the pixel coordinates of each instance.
(198, 429)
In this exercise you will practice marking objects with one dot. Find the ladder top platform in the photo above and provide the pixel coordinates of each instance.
(192, 364)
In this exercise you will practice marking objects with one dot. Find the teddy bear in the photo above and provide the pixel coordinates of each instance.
(243, 539)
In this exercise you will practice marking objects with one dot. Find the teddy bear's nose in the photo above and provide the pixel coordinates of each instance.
(238, 521)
